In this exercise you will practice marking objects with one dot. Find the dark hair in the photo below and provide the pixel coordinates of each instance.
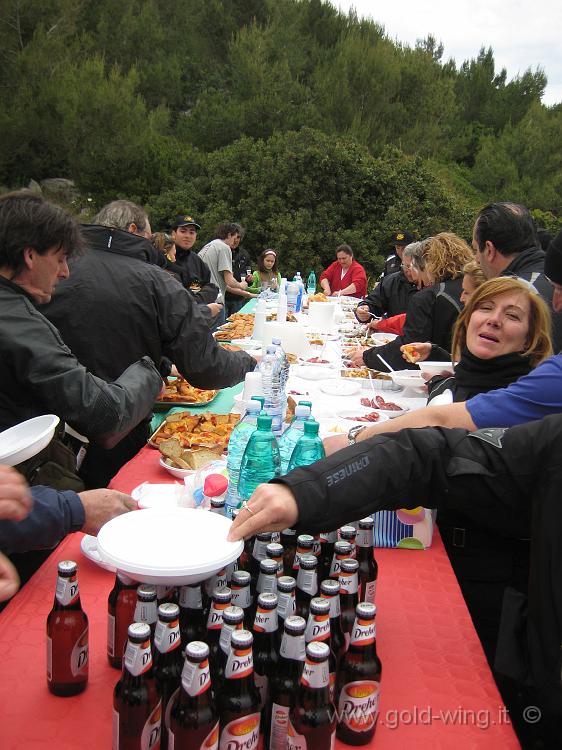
(508, 226)
(121, 214)
(28, 220)
(261, 257)
(161, 241)
(225, 228)
(344, 249)
(544, 237)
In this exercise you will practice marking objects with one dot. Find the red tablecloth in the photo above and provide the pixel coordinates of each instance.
(437, 690)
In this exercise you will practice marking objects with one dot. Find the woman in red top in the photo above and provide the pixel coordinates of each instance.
(344, 276)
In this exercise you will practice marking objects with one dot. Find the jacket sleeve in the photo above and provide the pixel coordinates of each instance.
(394, 324)
(207, 294)
(374, 301)
(255, 286)
(54, 515)
(188, 343)
(94, 407)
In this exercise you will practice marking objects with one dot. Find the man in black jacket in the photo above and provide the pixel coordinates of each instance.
(195, 274)
(390, 297)
(118, 305)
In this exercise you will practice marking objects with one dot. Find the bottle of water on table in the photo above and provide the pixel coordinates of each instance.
(261, 461)
(236, 446)
(311, 283)
(309, 447)
(271, 371)
(291, 436)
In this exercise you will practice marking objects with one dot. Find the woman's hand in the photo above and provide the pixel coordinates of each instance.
(355, 356)
(272, 507)
(421, 350)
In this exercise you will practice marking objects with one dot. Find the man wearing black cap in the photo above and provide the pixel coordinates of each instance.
(394, 261)
(195, 274)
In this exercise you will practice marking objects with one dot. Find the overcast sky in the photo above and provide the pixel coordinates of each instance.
(522, 33)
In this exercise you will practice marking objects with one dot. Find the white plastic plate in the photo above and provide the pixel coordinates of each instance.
(89, 547)
(340, 387)
(27, 439)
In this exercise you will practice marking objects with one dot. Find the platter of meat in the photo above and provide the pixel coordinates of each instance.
(390, 408)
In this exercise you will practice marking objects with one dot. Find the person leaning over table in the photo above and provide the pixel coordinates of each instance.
(344, 276)
(40, 517)
(118, 305)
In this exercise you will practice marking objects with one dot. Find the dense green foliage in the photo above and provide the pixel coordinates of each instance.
(309, 126)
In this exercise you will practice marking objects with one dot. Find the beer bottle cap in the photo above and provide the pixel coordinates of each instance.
(317, 651)
(349, 565)
(308, 562)
(286, 584)
(295, 625)
(67, 567)
(268, 567)
(305, 540)
(222, 594)
(217, 502)
(197, 651)
(146, 592)
(241, 578)
(274, 550)
(342, 548)
(366, 523)
(241, 639)
(319, 606)
(264, 536)
(267, 601)
(330, 587)
(139, 631)
(365, 610)
(233, 615)
(168, 612)
(288, 532)
(347, 532)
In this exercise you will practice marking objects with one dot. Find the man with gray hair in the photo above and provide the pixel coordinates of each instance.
(119, 303)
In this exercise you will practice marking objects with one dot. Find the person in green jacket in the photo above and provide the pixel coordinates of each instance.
(267, 273)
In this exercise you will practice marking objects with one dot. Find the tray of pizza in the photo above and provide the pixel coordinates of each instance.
(178, 392)
(206, 430)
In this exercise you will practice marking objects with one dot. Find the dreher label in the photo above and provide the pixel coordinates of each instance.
(279, 726)
(358, 705)
(146, 612)
(79, 655)
(240, 663)
(260, 550)
(363, 538)
(335, 609)
(241, 734)
(349, 583)
(335, 567)
(150, 737)
(293, 647)
(241, 596)
(167, 636)
(317, 628)
(226, 632)
(196, 678)
(138, 657)
(363, 633)
(214, 621)
(295, 741)
(370, 592)
(266, 584)
(307, 581)
(285, 604)
(67, 590)
(191, 598)
(316, 674)
(265, 620)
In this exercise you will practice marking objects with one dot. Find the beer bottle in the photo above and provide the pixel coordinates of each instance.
(146, 609)
(341, 551)
(232, 619)
(307, 585)
(217, 505)
(286, 586)
(193, 719)
(258, 554)
(349, 596)
(284, 683)
(121, 604)
(318, 629)
(193, 624)
(216, 581)
(330, 590)
(239, 699)
(327, 541)
(266, 656)
(349, 534)
(241, 595)
(368, 568)
(166, 595)
(137, 707)
(274, 551)
(67, 635)
(305, 544)
(246, 555)
(267, 582)
(312, 720)
(358, 683)
(219, 602)
(289, 544)
(168, 659)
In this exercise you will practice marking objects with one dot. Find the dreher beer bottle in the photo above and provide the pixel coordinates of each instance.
(274, 551)
(137, 707)
(342, 550)
(289, 544)
(258, 554)
(121, 604)
(266, 656)
(167, 659)
(349, 534)
(312, 720)
(286, 586)
(232, 619)
(358, 683)
(241, 595)
(368, 568)
(327, 541)
(219, 602)
(67, 636)
(239, 699)
(349, 595)
(146, 609)
(307, 585)
(285, 682)
(330, 590)
(266, 583)
(318, 629)
(193, 623)
(193, 719)
(305, 545)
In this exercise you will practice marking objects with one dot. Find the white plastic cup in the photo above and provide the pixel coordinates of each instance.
(253, 385)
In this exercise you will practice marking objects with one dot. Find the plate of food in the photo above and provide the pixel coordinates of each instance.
(248, 344)
(379, 339)
(365, 376)
(178, 392)
(206, 430)
(392, 409)
(362, 416)
(412, 379)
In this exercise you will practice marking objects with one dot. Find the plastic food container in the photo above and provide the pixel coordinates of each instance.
(27, 439)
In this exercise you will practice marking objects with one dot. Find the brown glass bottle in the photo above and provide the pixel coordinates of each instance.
(121, 604)
(193, 623)
(368, 568)
(307, 585)
(305, 545)
(341, 551)
(330, 590)
(289, 544)
(318, 629)
(286, 587)
(312, 720)
(239, 699)
(266, 583)
(242, 595)
(349, 595)
(266, 654)
(284, 683)
(358, 683)
(274, 551)
(349, 534)
(146, 609)
(167, 658)
(232, 619)
(137, 709)
(258, 554)
(327, 541)
(220, 600)
(193, 719)
(67, 636)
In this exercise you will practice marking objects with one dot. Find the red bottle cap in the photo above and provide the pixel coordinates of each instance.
(215, 485)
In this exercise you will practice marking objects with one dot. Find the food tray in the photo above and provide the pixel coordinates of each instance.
(207, 429)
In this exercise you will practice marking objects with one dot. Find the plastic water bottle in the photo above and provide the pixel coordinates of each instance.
(270, 368)
(291, 436)
(311, 283)
(309, 447)
(285, 366)
(300, 293)
(293, 290)
(236, 446)
(261, 461)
